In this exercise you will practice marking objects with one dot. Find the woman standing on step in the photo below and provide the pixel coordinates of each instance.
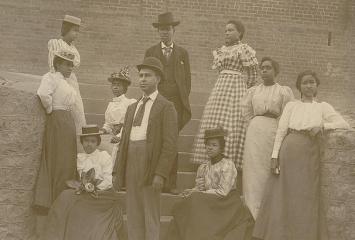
(223, 107)
(58, 163)
(291, 206)
(262, 106)
(69, 33)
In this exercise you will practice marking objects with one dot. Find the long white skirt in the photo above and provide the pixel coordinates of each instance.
(258, 147)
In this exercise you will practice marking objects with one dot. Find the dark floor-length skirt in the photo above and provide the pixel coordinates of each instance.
(291, 208)
(74, 217)
(208, 217)
(58, 161)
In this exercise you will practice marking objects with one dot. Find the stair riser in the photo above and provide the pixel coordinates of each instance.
(191, 127)
(97, 106)
(164, 230)
(93, 91)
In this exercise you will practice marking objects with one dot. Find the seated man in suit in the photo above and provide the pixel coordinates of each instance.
(176, 84)
(147, 151)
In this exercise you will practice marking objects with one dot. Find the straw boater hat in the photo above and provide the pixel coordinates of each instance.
(90, 130)
(121, 75)
(166, 19)
(214, 133)
(154, 64)
(72, 20)
(65, 54)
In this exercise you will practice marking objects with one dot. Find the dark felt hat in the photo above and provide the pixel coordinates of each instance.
(90, 130)
(214, 133)
(123, 75)
(154, 64)
(166, 19)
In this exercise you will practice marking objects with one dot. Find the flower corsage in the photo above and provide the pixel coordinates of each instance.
(87, 183)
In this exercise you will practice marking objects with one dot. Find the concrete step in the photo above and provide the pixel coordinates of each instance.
(98, 106)
(103, 92)
(164, 227)
(191, 127)
(167, 202)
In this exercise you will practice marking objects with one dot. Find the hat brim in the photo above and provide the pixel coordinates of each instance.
(175, 23)
(67, 59)
(214, 136)
(91, 134)
(160, 71)
(110, 79)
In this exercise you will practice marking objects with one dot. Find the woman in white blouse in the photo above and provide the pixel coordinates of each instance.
(79, 214)
(291, 206)
(59, 150)
(262, 107)
(116, 109)
(69, 33)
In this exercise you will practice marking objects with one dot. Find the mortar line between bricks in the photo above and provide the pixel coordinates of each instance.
(20, 154)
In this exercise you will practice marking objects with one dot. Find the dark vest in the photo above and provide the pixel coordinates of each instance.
(168, 87)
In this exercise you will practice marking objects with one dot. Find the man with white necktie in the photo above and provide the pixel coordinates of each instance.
(147, 151)
(176, 85)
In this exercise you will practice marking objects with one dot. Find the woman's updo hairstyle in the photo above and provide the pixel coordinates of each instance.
(306, 73)
(239, 26)
(275, 65)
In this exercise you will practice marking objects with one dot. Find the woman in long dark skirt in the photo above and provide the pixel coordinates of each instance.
(59, 150)
(291, 208)
(213, 210)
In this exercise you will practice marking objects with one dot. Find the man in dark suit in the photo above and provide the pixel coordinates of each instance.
(176, 85)
(147, 151)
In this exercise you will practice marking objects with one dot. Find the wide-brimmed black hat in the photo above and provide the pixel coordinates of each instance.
(166, 19)
(214, 133)
(90, 130)
(123, 75)
(154, 64)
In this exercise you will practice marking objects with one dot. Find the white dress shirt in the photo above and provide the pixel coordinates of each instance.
(56, 93)
(163, 47)
(116, 111)
(101, 162)
(140, 132)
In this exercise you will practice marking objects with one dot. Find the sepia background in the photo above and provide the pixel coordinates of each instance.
(299, 34)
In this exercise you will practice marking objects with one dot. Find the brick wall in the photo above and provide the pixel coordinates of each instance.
(117, 32)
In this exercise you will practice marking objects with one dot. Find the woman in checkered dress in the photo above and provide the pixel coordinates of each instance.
(224, 107)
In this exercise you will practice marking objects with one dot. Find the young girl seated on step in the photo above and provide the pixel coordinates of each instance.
(91, 208)
(116, 109)
(213, 208)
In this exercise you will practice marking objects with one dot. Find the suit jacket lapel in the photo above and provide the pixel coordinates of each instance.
(154, 110)
(130, 117)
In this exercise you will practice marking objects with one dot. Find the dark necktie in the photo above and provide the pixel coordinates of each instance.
(140, 113)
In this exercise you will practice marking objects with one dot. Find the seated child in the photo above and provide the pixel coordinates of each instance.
(116, 110)
(213, 208)
(91, 209)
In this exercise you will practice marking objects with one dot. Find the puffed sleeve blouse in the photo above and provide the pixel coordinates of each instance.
(219, 178)
(116, 111)
(300, 115)
(101, 162)
(55, 92)
(240, 57)
(262, 99)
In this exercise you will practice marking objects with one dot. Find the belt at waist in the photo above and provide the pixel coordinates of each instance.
(231, 72)
(137, 142)
(269, 115)
(65, 108)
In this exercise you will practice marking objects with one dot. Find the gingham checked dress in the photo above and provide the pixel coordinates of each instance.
(224, 107)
